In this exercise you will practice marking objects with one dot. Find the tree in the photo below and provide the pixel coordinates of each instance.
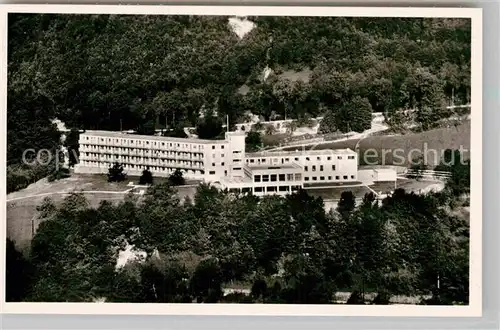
(17, 277)
(177, 131)
(328, 123)
(146, 177)
(253, 141)
(270, 129)
(176, 178)
(116, 174)
(347, 202)
(210, 127)
(354, 115)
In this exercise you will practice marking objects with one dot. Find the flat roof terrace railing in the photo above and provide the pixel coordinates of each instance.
(122, 135)
(301, 153)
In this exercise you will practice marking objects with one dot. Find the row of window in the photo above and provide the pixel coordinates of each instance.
(143, 167)
(147, 143)
(225, 172)
(322, 178)
(276, 189)
(321, 168)
(109, 158)
(329, 158)
(139, 166)
(286, 160)
(98, 150)
(145, 155)
(277, 177)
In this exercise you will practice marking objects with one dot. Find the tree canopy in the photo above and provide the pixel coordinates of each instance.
(283, 249)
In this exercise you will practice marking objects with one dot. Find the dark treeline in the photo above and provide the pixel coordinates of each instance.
(140, 72)
(284, 249)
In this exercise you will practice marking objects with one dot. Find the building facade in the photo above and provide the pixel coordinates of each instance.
(206, 160)
(216, 161)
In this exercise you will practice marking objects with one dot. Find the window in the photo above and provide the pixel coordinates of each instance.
(318, 158)
(256, 178)
(352, 176)
(337, 177)
(225, 173)
(281, 177)
(287, 159)
(222, 164)
(298, 177)
(329, 178)
(222, 147)
(333, 167)
(315, 178)
(339, 157)
(306, 178)
(350, 157)
(252, 160)
(305, 168)
(274, 178)
(314, 168)
(328, 158)
(307, 158)
(213, 164)
(213, 147)
(322, 178)
(289, 177)
(284, 188)
(295, 188)
(272, 189)
(222, 155)
(211, 172)
(265, 178)
(213, 155)
(296, 159)
(237, 168)
(259, 189)
(345, 177)
(321, 167)
(263, 160)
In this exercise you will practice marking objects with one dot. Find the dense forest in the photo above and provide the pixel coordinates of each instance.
(145, 72)
(140, 72)
(282, 249)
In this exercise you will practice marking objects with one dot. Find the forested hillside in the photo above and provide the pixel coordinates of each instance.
(284, 250)
(138, 72)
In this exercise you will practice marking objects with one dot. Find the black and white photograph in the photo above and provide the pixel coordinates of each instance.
(243, 159)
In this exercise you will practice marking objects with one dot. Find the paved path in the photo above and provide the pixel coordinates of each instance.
(69, 192)
(357, 136)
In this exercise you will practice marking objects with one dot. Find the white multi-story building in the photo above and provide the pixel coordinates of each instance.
(217, 161)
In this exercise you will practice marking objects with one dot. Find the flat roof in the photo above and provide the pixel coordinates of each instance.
(116, 134)
(271, 167)
(237, 179)
(300, 153)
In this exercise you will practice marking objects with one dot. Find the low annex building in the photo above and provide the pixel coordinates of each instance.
(217, 161)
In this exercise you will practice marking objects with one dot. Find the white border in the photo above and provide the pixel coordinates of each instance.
(474, 309)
